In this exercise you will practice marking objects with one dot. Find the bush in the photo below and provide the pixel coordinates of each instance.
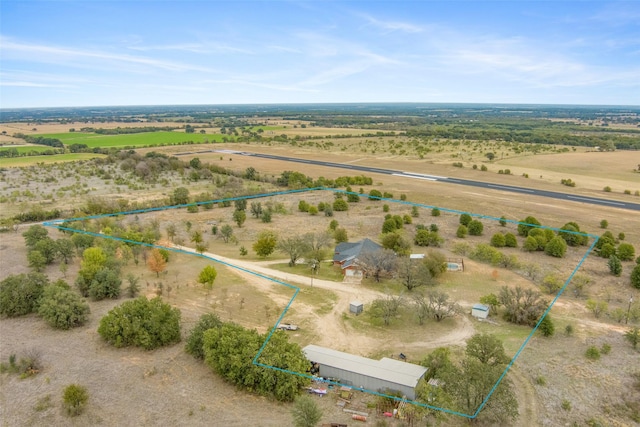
(465, 219)
(615, 266)
(20, 294)
(604, 223)
(556, 247)
(375, 195)
(592, 353)
(547, 328)
(340, 205)
(74, 399)
(607, 189)
(305, 412)
(605, 349)
(626, 252)
(62, 308)
(435, 212)
(475, 228)
(510, 240)
(385, 208)
(635, 277)
(462, 231)
(106, 284)
(303, 206)
(195, 338)
(141, 322)
(498, 240)
(526, 225)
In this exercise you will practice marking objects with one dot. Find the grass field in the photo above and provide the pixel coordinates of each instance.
(24, 149)
(33, 160)
(144, 139)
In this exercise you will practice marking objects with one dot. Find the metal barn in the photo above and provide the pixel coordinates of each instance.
(367, 374)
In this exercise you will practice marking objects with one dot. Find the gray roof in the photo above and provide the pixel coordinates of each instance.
(481, 307)
(347, 252)
(391, 370)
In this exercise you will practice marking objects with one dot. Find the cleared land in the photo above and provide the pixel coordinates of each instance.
(175, 389)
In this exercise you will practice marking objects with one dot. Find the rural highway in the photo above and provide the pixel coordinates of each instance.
(444, 179)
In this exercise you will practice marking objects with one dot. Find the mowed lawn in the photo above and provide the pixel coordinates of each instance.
(144, 139)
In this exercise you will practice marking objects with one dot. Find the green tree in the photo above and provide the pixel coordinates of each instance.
(256, 209)
(37, 261)
(141, 322)
(626, 252)
(48, 248)
(340, 205)
(633, 336)
(305, 412)
(527, 224)
(230, 349)
(207, 276)
(240, 204)
(375, 194)
(74, 399)
(492, 301)
(226, 232)
(413, 274)
(510, 240)
(462, 231)
(340, 235)
(557, 247)
(239, 217)
(62, 308)
(195, 340)
(597, 307)
(498, 240)
(386, 308)
(397, 242)
(33, 235)
(486, 348)
(180, 196)
(105, 284)
(465, 219)
(266, 243)
(547, 328)
(615, 266)
(65, 250)
(425, 237)
(294, 246)
(503, 221)
(635, 277)
(133, 289)
(475, 228)
(20, 293)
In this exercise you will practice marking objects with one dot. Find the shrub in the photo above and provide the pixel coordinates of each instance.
(568, 330)
(74, 399)
(462, 231)
(498, 240)
(604, 223)
(375, 195)
(62, 308)
(465, 219)
(592, 353)
(615, 266)
(566, 405)
(556, 247)
(635, 277)
(607, 189)
(303, 206)
(20, 294)
(483, 168)
(510, 240)
(435, 212)
(547, 328)
(605, 349)
(503, 221)
(527, 225)
(626, 252)
(195, 338)
(305, 412)
(340, 205)
(475, 228)
(141, 322)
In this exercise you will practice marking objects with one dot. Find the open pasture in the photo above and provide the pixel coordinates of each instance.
(16, 162)
(144, 139)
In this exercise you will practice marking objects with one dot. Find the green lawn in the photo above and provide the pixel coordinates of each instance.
(143, 139)
(57, 158)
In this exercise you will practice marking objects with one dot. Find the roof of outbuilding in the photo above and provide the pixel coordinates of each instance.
(386, 369)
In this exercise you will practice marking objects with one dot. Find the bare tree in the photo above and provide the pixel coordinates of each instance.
(378, 263)
(294, 246)
(387, 307)
(523, 306)
(440, 307)
(414, 273)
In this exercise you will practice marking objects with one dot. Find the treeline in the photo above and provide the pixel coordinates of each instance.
(40, 140)
(124, 131)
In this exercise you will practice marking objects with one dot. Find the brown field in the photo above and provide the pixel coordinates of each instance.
(170, 388)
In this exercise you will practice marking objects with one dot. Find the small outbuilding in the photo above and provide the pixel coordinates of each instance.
(356, 307)
(480, 311)
(366, 374)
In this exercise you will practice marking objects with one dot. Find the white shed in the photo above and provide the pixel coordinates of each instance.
(356, 307)
(480, 311)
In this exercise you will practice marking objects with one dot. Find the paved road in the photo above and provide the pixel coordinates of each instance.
(426, 177)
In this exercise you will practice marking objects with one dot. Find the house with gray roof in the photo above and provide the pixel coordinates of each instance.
(346, 253)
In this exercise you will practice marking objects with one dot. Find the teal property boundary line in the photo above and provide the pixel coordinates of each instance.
(62, 225)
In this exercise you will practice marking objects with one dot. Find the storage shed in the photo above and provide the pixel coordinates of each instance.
(480, 311)
(366, 374)
(356, 307)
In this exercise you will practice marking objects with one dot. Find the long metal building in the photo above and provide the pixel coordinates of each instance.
(367, 374)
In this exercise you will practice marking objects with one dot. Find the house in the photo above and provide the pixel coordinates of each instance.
(366, 374)
(346, 254)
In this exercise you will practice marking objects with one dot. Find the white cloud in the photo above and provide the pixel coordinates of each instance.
(390, 26)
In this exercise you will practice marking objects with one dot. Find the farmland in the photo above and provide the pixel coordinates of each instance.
(145, 139)
(126, 180)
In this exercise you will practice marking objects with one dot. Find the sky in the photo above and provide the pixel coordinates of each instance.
(101, 53)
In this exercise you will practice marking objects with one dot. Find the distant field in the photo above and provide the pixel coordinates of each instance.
(32, 160)
(144, 139)
(29, 148)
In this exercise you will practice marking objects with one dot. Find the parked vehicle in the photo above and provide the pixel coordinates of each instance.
(287, 327)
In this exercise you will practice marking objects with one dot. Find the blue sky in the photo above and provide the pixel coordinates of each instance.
(90, 53)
